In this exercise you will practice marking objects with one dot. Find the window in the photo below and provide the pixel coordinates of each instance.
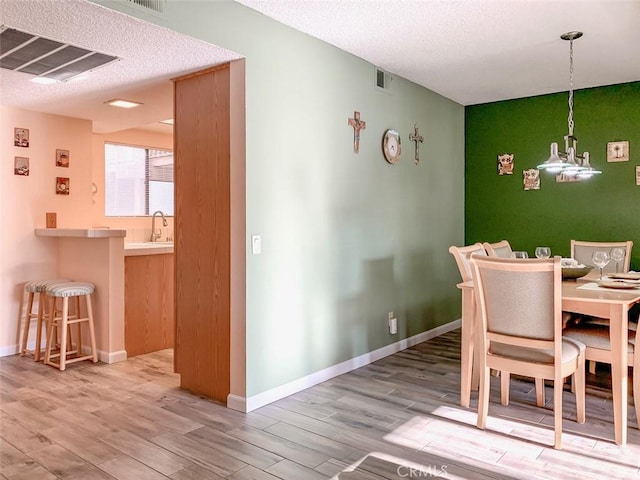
(138, 180)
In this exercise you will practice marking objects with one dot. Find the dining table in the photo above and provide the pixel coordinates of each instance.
(578, 297)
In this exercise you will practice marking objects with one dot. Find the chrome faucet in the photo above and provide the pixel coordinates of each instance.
(155, 236)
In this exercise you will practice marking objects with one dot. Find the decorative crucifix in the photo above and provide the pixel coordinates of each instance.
(416, 137)
(357, 125)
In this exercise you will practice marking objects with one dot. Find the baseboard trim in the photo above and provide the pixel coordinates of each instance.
(11, 350)
(106, 357)
(244, 404)
(112, 357)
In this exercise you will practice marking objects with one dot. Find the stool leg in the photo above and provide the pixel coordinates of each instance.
(63, 332)
(42, 300)
(92, 333)
(50, 331)
(27, 325)
(79, 341)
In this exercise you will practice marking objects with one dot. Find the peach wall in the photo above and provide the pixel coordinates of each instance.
(24, 200)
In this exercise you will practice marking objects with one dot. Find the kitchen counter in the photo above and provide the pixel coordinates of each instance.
(147, 248)
(95, 255)
(80, 232)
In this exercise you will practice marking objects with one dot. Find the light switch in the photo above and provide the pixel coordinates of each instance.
(256, 244)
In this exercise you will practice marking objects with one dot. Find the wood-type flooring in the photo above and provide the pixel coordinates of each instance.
(397, 418)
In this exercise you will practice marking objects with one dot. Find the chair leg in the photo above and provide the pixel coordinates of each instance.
(483, 397)
(540, 392)
(636, 389)
(579, 383)
(505, 378)
(557, 413)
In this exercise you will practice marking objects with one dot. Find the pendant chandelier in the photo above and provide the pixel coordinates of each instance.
(569, 162)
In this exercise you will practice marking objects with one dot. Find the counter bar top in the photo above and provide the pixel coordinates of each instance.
(80, 232)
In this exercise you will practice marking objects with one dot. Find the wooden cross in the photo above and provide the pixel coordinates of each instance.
(357, 125)
(416, 137)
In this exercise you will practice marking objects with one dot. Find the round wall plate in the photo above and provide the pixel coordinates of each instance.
(391, 147)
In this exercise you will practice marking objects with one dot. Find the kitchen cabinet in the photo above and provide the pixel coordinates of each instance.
(149, 303)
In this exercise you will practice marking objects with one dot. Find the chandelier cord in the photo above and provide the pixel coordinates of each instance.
(570, 119)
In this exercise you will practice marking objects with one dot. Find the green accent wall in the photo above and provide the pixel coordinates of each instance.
(604, 208)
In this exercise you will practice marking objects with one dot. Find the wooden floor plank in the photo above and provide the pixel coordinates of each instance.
(200, 454)
(124, 467)
(146, 452)
(228, 445)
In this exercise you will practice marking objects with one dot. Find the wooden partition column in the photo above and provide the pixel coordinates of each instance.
(202, 231)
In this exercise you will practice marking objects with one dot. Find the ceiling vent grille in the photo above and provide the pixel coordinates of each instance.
(155, 5)
(383, 80)
(46, 58)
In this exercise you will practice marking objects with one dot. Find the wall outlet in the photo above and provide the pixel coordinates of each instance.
(393, 324)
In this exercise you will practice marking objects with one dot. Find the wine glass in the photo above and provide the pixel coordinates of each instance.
(543, 252)
(617, 255)
(600, 258)
(520, 254)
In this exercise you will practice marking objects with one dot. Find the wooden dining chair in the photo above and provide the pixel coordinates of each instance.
(582, 252)
(520, 305)
(598, 349)
(469, 376)
(461, 256)
(499, 249)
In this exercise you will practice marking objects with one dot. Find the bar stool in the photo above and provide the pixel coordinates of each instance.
(65, 291)
(33, 288)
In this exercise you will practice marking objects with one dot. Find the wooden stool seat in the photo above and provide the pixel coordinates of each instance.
(61, 323)
(33, 288)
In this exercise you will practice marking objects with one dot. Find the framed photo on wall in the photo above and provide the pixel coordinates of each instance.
(62, 158)
(618, 151)
(21, 166)
(62, 185)
(21, 137)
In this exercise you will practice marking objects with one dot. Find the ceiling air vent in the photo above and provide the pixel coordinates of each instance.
(46, 58)
(383, 80)
(155, 5)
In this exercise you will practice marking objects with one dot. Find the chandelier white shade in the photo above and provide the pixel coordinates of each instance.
(569, 162)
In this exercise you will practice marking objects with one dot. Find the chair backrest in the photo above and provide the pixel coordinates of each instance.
(582, 251)
(499, 249)
(520, 303)
(462, 254)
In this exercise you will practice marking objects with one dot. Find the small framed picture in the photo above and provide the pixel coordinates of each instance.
(62, 158)
(531, 179)
(618, 151)
(638, 175)
(21, 166)
(505, 164)
(62, 185)
(564, 178)
(21, 137)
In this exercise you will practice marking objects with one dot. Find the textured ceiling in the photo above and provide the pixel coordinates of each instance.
(477, 51)
(149, 57)
(471, 51)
